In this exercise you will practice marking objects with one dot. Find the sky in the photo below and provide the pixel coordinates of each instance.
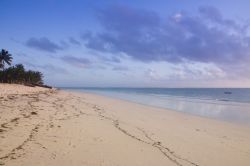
(130, 43)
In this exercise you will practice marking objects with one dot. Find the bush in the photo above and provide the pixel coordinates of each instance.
(17, 74)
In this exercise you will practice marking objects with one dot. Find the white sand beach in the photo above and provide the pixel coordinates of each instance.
(41, 127)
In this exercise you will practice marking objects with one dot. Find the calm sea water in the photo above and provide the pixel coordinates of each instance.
(232, 105)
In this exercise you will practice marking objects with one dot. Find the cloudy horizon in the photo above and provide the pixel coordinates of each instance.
(130, 43)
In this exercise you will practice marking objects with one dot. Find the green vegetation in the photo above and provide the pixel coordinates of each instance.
(17, 73)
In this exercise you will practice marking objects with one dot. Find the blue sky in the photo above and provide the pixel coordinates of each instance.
(139, 43)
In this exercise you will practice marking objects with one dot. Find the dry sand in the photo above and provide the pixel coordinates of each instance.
(49, 127)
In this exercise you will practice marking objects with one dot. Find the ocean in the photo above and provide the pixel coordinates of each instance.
(226, 104)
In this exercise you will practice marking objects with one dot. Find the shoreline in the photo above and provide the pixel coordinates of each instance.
(59, 127)
(160, 110)
(233, 122)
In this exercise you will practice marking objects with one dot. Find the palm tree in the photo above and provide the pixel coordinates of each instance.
(17, 73)
(5, 57)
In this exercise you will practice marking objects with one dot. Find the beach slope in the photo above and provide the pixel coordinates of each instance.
(40, 126)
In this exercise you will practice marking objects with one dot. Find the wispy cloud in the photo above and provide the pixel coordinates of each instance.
(47, 68)
(43, 44)
(74, 41)
(153, 75)
(186, 71)
(120, 68)
(76, 62)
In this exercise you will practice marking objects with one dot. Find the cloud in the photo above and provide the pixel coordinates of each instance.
(43, 44)
(76, 62)
(214, 15)
(153, 75)
(48, 68)
(120, 68)
(143, 35)
(64, 44)
(197, 71)
(211, 13)
(74, 41)
(53, 69)
(185, 71)
(107, 58)
(123, 32)
(118, 17)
